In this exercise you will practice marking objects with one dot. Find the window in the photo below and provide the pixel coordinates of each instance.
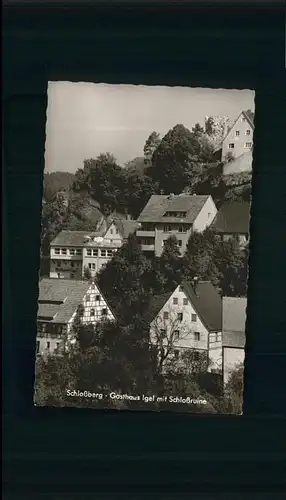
(175, 300)
(216, 337)
(38, 347)
(111, 231)
(72, 275)
(243, 119)
(248, 145)
(197, 335)
(95, 252)
(116, 231)
(48, 345)
(97, 298)
(247, 132)
(181, 289)
(64, 251)
(59, 275)
(176, 354)
(176, 334)
(185, 301)
(237, 133)
(180, 243)
(104, 312)
(231, 145)
(166, 315)
(92, 312)
(88, 252)
(57, 346)
(180, 316)
(89, 265)
(109, 253)
(71, 251)
(103, 253)
(87, 298)
(93, 266)
(57, 251)
(78, 251)
(194, 318)
(163, 331)
(167, 229)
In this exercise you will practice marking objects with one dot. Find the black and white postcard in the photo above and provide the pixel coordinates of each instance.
(144, 248)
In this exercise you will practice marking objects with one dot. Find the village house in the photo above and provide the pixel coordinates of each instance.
(173, 215)
(232, 221)
(58, 304)
(186, 327)
(73, 252)
(238, 138)
(233, 334)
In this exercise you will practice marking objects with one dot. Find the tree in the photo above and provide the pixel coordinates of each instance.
(122, 280)
(150, 147)
(86, 273)
(231, 261)
(198, 130)
(233, 392)
(138, 189)
(170, 261)
(198, 259)
(172, 165)
(56, 181)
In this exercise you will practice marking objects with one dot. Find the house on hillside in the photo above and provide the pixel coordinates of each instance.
(186, 326)
(238, 138)
(239, 165)
(58, 303)
(173, 215)
(71, 252)
(233, 334)
(232, 221)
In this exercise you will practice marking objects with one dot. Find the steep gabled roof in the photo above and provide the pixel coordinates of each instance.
(235, 121)
(232, 218)
(207, 302)
(68, 294)
(158, 205)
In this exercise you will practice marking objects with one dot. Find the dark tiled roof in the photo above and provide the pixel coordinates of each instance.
(232, 218)
(69, 291)
(158, 205)
(156, 304)
(207, 302)
(73, 238)
(126, 227)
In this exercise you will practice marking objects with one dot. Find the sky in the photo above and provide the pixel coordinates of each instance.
(86, 119)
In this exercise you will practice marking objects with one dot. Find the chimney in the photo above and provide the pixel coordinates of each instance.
(195, 283)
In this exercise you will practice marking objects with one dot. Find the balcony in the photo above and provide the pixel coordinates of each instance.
(145, 234)
(148, 248)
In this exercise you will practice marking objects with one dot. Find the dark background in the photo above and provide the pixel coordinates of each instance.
(72, 452)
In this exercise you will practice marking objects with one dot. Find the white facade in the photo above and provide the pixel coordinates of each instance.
(239, 139)
(233, 357)
(153, 235)
(179, 328)
(70, 262)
